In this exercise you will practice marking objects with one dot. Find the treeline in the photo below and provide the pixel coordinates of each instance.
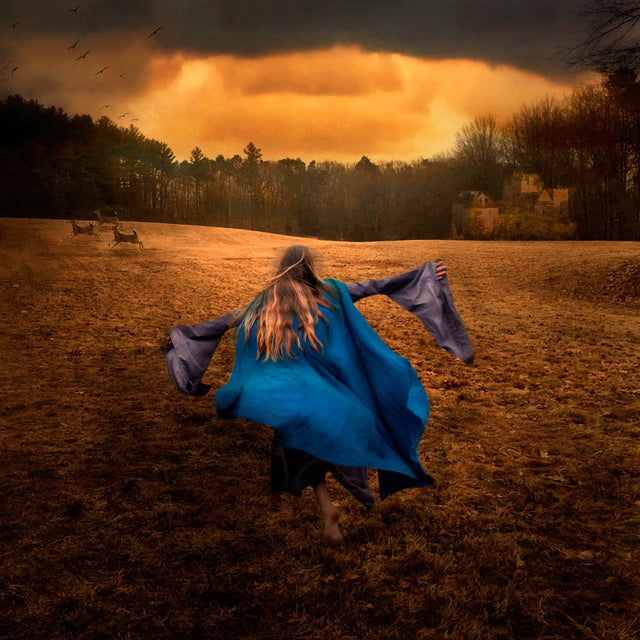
(588, 142)
(55, 165)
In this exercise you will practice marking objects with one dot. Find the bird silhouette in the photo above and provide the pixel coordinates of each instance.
(134, 119)
(73, 46)
(122, 75)
(123, 115)
(84, 55)
(105, 106)
(153, 33)
(15, 24)
(75, 9)
(101, 71)
(14, 69)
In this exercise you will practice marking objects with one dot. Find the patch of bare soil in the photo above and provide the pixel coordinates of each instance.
(615, 282)
(128, 511)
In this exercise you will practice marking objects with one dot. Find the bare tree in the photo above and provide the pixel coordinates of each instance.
(611, 38)
(538, 141)
(480, 151)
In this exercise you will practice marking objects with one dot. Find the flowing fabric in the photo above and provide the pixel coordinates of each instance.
(356, 404)
(293, 470)
(388, 413)
(418, 291)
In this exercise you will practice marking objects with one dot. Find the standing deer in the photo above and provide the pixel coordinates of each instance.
(119, 237)
(88, 231)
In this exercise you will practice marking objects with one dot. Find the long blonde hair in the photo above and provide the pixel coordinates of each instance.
(295, 290)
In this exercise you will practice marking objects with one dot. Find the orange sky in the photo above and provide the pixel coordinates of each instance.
(330, 104)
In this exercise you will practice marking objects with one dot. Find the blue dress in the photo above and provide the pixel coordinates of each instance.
(356, 404)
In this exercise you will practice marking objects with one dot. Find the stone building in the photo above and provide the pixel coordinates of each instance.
(475, 213)
(522, 191)
(553, 202)
(526, 191)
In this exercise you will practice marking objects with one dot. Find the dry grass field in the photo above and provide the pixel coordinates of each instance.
(128, 511)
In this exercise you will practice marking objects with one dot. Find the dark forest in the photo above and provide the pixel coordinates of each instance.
(54, 165)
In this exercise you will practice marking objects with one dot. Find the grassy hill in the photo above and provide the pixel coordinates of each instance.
(128, 511)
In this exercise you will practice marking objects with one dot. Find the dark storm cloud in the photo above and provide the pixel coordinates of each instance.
(524, 33)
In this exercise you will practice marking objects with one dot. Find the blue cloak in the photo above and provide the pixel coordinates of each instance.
(357, 403)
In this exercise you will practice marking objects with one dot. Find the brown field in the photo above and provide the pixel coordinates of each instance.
(129, 511)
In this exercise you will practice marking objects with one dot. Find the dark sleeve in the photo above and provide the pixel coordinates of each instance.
(191, 348)
(420, 292)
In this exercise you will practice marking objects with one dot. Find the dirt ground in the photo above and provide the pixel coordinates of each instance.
(128, 511)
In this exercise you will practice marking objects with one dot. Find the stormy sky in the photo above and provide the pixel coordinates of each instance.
(331, 80)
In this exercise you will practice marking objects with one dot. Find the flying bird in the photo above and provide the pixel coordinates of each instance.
(75, 9)
(84, 55)
(105, 106)
(101, 71)
(73, 46)
(15, 24)
(14, 69)
(122, 75)
(153, 33)
(123, 115)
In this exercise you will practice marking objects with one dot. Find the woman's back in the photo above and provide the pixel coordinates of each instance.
(356, 402)
(294, 295)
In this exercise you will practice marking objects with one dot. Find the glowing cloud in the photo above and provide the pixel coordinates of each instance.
(335, 104)
(338, 104)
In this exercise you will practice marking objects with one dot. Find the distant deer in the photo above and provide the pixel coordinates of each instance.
(119, 237)
(88, 231)
(107, 218)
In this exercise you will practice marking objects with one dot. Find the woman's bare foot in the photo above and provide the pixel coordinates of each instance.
(332, 535)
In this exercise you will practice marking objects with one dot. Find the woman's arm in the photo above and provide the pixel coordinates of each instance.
(424, 291)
